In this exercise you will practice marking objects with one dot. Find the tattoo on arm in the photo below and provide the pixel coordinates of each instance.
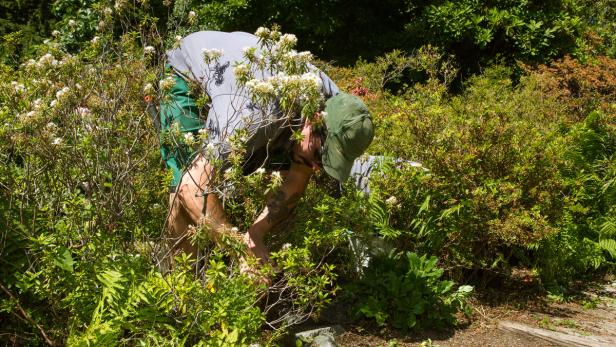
(279, 206)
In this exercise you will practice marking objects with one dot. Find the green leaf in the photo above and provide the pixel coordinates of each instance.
(64, 260)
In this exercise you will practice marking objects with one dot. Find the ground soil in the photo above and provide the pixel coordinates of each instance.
(587, 310)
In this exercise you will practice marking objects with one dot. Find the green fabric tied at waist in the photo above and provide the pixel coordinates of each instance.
(178, 107)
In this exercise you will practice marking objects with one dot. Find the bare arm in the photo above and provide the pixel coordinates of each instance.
(278, 207)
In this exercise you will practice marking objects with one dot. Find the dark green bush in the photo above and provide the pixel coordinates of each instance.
(406, 291)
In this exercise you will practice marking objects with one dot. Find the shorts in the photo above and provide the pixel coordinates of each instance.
(178, 107)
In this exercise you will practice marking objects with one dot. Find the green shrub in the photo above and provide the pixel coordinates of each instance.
(406, 291)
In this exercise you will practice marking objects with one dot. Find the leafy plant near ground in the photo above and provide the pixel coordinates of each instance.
(406, 291)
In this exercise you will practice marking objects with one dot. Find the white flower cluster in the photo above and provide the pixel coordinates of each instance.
(287, 41)
(18, 87)
(166, 83)
(119, 4)
(148, 89)
(212, 54)
(107, 11)
(62, 93)
(72, 23)
(261, 88)
(263, 33)
(242, 72)
(148, 49)
(192, 16)
(178, 41)
(391, 201)
(189, 139)
(47, 60)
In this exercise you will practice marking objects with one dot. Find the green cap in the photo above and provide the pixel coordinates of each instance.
(349, 133)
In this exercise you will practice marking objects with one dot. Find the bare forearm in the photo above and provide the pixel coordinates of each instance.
(280, 205)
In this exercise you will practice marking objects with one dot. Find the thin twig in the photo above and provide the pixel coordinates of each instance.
(27, 317)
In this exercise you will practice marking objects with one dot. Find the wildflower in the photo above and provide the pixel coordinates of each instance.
(148, 89)
(249, 53)
(287, 41)
(260, 87)
(241, 71)
(310, 79)
(46, 59)
(276, 176)
(119, 4)
(83, 111)
(53, 103)
(62, 92)
(166, 84)
(178, 39)
(37, 103)
(262, 33)
(72, 23)
(55, 33)
(192, 16)
(19, 88)
(148, 49)
(95, 40)
(211, 54)
(189, 138)
(304, 57)
(391, 201)
(56, 141)
(260, 171)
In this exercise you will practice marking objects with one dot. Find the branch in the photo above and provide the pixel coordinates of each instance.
(26, 316)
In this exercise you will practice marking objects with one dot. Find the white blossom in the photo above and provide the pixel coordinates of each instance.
(260, 171)
(189, 138)
(95, 39)
(262, 33)
(53, 103)
(56, 141)
(148, 49)
(287, 41)
(241, 71)
(83, 111)
(276, 176)
(391, 201)
(62, 92)
(310, 79)
(55, 33)
(166, 84)
(211, 54)
(148, 89)
(72, 23)
(192, 16)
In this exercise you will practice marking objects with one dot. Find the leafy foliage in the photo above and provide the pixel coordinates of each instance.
(406, 291)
